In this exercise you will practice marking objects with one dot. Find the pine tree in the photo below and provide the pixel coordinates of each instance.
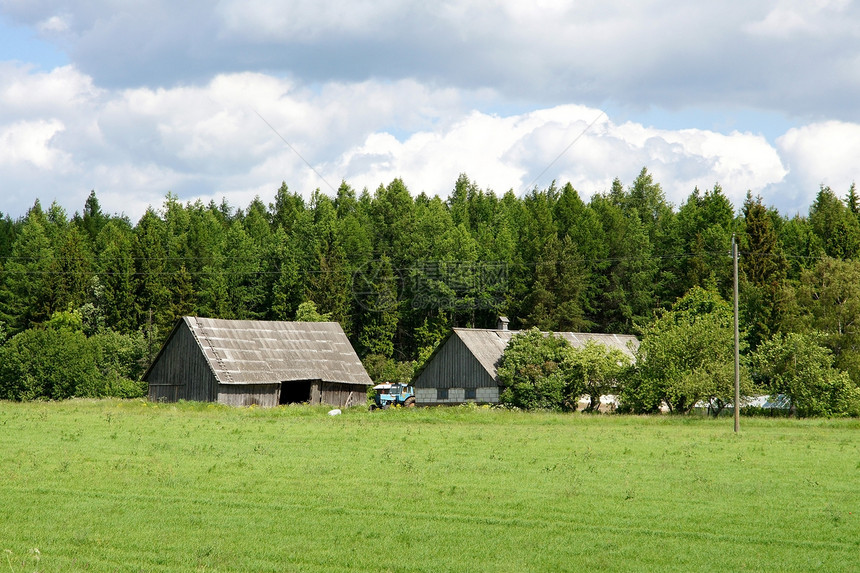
(835, 225)
(151, 292)
(115, 266)
(852, 201)
(71, 271)
(376, 290)
(286, 208)
(763, 267)
(287, 290)
(25, 291)
(93, 220)
(558, 291)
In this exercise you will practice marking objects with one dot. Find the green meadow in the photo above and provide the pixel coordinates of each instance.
(133, 486)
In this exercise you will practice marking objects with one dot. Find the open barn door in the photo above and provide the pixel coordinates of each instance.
(295, 392)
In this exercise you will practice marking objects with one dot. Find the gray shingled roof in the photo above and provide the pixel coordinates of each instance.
(489, 345)
(260, 352)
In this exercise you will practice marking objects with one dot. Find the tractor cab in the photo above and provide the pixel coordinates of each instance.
(388, 395)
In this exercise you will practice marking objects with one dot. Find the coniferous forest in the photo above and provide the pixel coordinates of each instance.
(87, 299)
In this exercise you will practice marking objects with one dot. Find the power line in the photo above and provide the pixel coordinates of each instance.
(571, 144)
(295, 151)
(422, 265)
(221, 258)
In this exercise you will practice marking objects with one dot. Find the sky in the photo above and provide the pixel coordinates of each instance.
(224, 100)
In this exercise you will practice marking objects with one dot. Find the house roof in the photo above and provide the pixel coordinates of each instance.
(261, 352)
(488, 345)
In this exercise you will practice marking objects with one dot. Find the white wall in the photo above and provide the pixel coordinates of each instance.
(427, 396)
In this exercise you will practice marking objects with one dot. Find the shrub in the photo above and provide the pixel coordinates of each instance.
(59, 361)
(46, 363)
(801, 367)
(382, 369)
(122, 355)
(532, 374)
(597, 370)
(686, 355)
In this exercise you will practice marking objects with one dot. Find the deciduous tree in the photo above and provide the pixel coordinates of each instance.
(801, 367)
(531, 373)
(598, 370)
(686, 355)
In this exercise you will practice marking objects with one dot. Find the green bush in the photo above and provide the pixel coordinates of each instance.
(382, 369)
(532, 374)
(801, 367)
(46, 363)
(598, 370)
(58, 361)
(686, 356)
(120, 355)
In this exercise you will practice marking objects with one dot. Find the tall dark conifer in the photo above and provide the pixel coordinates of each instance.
(763, 267)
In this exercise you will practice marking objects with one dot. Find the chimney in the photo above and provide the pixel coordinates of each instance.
(503, 323)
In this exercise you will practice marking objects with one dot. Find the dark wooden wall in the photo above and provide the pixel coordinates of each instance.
(340, 395)
(268, 395)
(454, 366)
(265, 395)
(181, 371)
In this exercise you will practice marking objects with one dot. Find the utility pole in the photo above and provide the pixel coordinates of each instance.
(737, 340)
(149, 336)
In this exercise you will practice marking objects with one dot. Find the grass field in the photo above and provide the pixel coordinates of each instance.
(131, 486)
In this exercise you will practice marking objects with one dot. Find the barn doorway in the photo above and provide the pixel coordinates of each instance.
(295, 392)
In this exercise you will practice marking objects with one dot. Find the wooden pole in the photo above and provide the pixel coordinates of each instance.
(149, 336)
(737, 340)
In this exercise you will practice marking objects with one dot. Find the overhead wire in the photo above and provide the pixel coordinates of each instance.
(399, 269)
(296, 151)
(559, 156)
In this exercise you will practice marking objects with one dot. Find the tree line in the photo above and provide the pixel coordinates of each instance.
(398, 270)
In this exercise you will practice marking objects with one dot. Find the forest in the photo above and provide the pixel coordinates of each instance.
(97, 293)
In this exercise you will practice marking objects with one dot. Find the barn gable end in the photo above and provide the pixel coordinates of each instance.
(454, 365)
(180, 370)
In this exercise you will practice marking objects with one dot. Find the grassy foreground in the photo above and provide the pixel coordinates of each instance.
(130, 486)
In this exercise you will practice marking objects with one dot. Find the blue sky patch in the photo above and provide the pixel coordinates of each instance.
(22, 44)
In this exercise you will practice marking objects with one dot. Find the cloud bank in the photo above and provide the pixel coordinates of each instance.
(651, 52)
(215, 141)
(164, 96)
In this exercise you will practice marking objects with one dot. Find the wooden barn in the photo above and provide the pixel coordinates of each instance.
(463, 367)
(267, 363)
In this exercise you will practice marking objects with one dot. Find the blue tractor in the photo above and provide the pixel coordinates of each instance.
(388, 395)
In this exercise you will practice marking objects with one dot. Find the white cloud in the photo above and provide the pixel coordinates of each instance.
(308, 20)
(194, 140)
(26, 93)
(510, 153)
(430, 161)
(823, 153)
(30, 142)
(134, 145)
(737, 161)
(806, 17)
(54, 25)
